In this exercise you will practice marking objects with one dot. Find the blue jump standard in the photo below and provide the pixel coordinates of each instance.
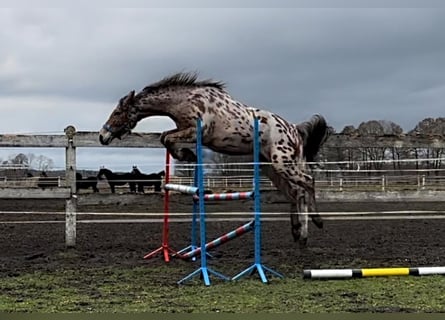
(203, 271)
(193, 242)
(257, 266)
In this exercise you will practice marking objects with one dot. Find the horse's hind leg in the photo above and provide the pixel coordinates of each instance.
(299, 219)
(290, 178)
(170, 138)
(297, 197)
(308, 183)
(312, 207)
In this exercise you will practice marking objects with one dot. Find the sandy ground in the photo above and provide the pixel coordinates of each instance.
(377, 243)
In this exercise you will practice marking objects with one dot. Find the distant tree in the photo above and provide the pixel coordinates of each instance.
(379, 128)
(43, 163)
(349, 130)
(371, 128)
(391, 128)
(19, 159)
(431, 127)
(31, 158)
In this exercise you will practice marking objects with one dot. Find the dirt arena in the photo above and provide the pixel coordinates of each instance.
(27, 247)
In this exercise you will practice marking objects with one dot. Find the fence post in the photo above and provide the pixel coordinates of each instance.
(70, 176)
(423, 182)
(383, 183)
(341, 184)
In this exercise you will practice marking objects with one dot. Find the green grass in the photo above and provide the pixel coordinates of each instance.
(143, 289)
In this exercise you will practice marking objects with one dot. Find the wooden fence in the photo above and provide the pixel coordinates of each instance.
(69, 141)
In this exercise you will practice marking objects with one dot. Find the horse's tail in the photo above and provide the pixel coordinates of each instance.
(314, 132)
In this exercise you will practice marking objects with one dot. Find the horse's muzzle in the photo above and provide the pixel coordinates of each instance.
(102, 141)
(105, 136)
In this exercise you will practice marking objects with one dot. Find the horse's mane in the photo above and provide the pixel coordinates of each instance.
(182, 79)
(314, 132)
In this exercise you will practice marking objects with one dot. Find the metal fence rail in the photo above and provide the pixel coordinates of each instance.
(243, 183)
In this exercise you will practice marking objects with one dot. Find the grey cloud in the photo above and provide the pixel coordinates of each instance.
(351, 65)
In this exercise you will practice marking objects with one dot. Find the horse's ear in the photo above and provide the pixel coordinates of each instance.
(129, 98)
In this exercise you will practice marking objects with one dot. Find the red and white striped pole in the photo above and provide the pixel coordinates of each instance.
(219, 241)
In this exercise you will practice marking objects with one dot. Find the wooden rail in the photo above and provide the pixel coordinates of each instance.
(151, 140)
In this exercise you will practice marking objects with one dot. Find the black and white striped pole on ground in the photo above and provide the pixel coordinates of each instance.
(371, 272)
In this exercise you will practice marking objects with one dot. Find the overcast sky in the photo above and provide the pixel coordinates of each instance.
(69, 67)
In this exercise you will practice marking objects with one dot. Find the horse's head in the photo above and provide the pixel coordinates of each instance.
(136, 171)
(102, 172)
(121, 121)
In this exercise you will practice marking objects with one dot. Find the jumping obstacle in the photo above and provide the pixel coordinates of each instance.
(257, 265)
(198, 207)
(211, 197)
(193, 242)
(227, 196)
(221, 240)
(203, 271)
(371, 272)
(164, 248)
(181, 188)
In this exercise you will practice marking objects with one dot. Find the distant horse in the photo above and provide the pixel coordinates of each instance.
(117, 179)
(86, 183)
(146, 180)
(47, 182)
(228, 128)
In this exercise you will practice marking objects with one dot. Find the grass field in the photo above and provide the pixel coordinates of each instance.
(106, 271)
(141, 290)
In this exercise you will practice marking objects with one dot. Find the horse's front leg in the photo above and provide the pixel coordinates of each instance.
(171, 138)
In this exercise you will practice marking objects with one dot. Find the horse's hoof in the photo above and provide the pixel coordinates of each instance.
(188, 155)
(302, 243)
(296, 231)
(295, 235)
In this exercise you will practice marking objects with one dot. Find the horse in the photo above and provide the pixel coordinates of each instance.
(146, 180)
(117, 179)
(86, 183)
(227, 127)
(47, 182)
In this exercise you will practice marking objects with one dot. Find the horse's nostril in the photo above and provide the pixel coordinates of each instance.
(102, 141)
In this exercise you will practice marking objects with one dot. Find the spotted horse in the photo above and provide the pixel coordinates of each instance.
(228, 128)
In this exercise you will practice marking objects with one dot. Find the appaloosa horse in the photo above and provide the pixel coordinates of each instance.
(228, 128)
